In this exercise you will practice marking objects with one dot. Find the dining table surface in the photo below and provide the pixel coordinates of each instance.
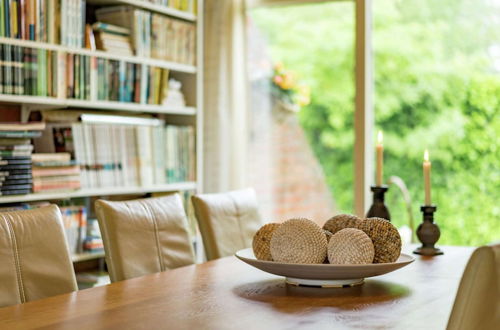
(228, 294)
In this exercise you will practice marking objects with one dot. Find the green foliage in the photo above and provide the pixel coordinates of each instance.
(435, 87)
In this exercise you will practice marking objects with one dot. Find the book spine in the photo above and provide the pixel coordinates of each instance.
(93, 84)
(8, 87)
(1, 67)
(121, 81)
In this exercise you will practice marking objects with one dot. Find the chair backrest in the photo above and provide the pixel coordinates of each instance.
(227, 221)
(144, 236)
(477, 304)
(34, 257)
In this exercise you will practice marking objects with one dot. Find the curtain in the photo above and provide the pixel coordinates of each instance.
(225, 96)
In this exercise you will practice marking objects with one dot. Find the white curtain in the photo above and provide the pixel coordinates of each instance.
(225, 96)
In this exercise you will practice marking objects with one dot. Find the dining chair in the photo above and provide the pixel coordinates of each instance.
(477, 304)
(227, 221)
(144, 236)
(34, 256)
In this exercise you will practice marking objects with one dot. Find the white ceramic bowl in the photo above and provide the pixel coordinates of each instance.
(323, 275)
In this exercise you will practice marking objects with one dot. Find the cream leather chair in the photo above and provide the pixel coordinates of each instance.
(227, 221)
(34, 256)
(144, 236)
(477, 304)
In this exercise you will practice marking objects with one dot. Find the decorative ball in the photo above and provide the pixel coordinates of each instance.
(350, 246)
(299, 241)
(262, 241)
(385, 238)
(328, 235)
(342, 221)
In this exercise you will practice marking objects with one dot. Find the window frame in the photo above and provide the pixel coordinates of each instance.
(363, 110)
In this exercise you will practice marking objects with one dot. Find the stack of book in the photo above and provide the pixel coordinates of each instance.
(15, 156)
(51, 21)
(55, 172)
(112, 38)
(27, 71)
(118, 151)
(154, 35)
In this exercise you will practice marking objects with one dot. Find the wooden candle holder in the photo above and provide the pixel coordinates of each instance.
(378, 208)
(428, 232)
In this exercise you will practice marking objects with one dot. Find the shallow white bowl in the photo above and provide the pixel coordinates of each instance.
(324, 275)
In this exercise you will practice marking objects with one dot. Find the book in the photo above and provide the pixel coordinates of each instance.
(14, 182)
(31, 126)
(109, 28)
(54, 171)
(15, 192)
(15, 161)
(19, 134)
(51, 157)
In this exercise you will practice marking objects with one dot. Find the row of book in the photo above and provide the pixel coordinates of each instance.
(117, 151)
(153, 35)
(128, 82)
(51, 21)
(15, 157)
(27, 71)
(39, 72)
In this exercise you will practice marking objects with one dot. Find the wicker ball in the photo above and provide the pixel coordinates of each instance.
(385, 238)
(350, 246)
(328, 235)
(299, 241)
(262, 241)
(342, 221)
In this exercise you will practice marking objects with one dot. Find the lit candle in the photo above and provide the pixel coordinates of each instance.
(427, 178)
(380, 159)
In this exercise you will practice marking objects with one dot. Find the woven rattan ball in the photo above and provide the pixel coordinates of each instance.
(299, 241)
(385, 238)
(350, 246)
(342, 221)
(262, 240)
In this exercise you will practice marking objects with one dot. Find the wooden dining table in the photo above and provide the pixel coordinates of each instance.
(229, 294)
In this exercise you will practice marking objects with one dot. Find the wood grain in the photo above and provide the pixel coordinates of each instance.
(228, 294)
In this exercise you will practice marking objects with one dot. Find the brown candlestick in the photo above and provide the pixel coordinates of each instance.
(378, 208)
(428, 232)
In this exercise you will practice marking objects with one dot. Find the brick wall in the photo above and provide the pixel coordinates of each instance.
(283, 169)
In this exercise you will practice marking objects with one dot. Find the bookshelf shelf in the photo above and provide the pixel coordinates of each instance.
(151, 7)
(178, 67)
(87, 256)
(45, 102)
(181, 186)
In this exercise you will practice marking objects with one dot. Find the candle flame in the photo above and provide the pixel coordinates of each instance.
(426, 155)
(380, 137)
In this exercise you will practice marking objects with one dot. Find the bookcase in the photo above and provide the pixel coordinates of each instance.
(50, 63)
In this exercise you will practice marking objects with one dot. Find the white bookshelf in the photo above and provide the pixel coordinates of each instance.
(177, 67)
(151, 7)
(42, 102)
(190, 75)
(181, 186)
